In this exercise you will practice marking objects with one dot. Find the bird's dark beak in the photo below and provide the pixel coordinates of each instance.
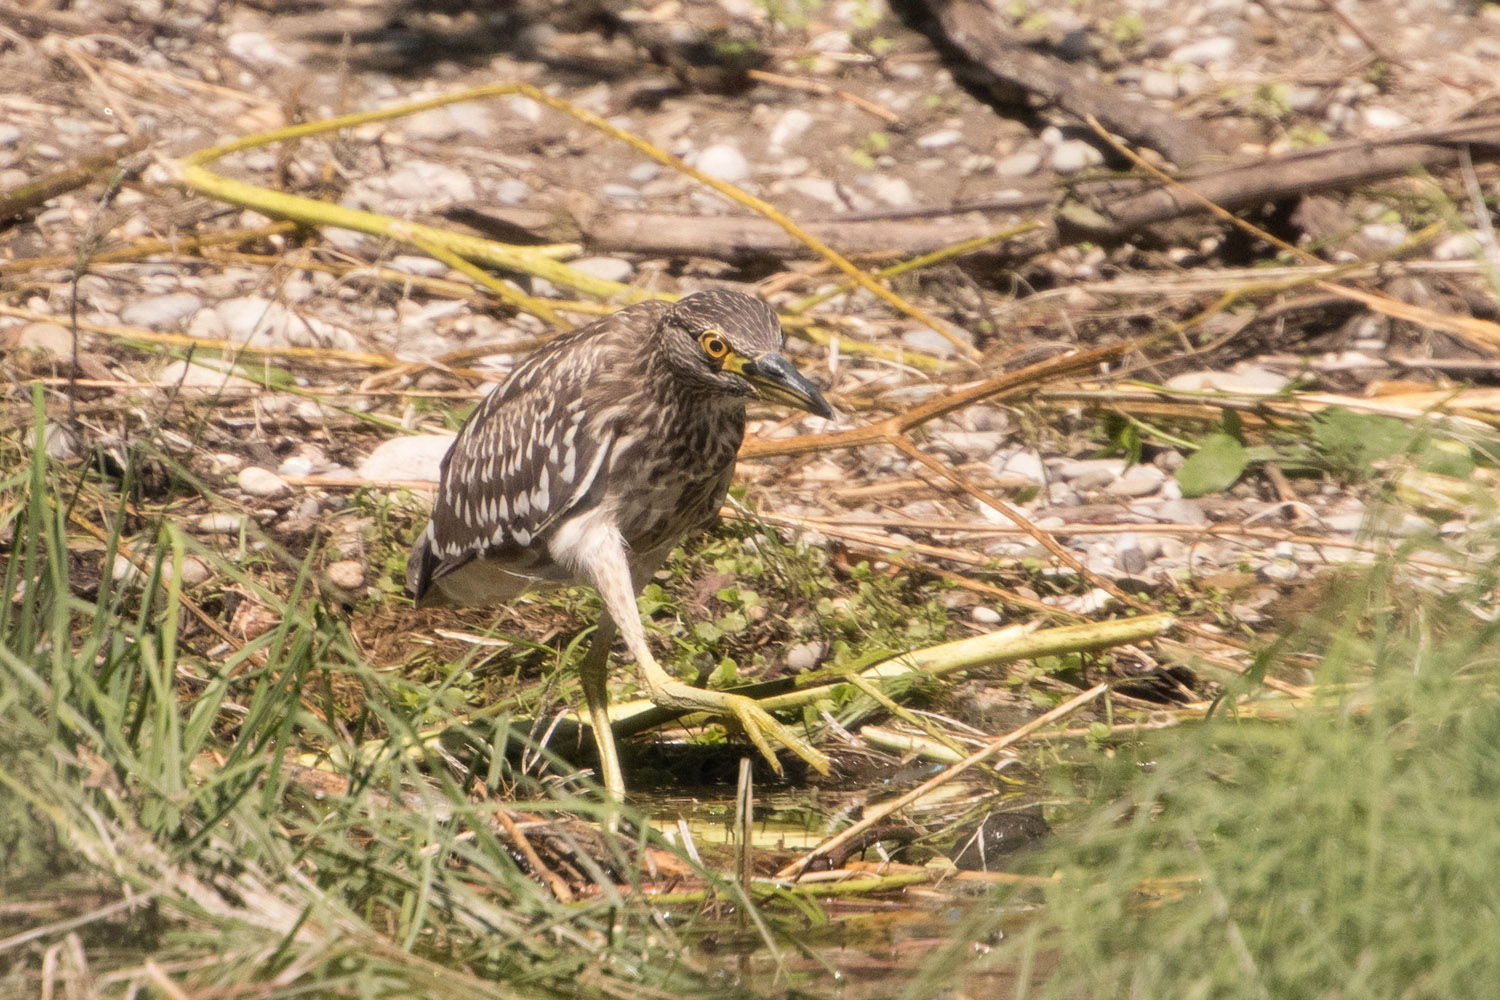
(775, 379)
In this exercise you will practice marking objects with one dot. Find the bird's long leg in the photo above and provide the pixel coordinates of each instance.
(593, 672)
(610, 570)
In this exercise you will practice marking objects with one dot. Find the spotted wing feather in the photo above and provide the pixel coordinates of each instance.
(530, 453)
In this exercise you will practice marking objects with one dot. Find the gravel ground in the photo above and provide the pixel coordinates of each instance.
(855, 114)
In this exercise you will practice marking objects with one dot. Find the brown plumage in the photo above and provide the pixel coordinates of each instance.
(592, 460)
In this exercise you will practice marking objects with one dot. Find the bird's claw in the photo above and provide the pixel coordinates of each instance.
(759, 725)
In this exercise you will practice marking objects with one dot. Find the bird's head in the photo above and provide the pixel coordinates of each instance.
(732, 342)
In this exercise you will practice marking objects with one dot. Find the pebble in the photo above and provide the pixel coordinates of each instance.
(420, 180)
(1136, 481)
(9, 134)
(1205, 52)
(1385, 234)
(56, 342)
(346, 573)
(260, 482)
(201, 379)
(160, 310)
(1161, 85)
(605, 268)
(1073, 155)
(219, 524)
(984, 616)
(511, 192)
(1019, 463)
(1459, 246)
(790, 127)
(194, 571)
(1021, 164)
(1251, 379)
(59, 443)
(643, 173)
(819, 189)
(1072, 470)
(805, 655)
(417, 457)
(1182, 511)
(929, 341)
(941, 139)
(725, 162)
(893, 191)
(1384, 118)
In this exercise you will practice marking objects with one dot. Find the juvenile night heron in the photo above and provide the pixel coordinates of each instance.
(591, 461)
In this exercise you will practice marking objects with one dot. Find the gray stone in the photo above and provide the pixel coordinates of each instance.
(421, 181)
(1071, 470)
(1019, 463)
(260, 482)
(1137, 481)
(416, 458)
(160, 310)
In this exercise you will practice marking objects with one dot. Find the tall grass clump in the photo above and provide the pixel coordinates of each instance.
(1346, 849)
(159, 836)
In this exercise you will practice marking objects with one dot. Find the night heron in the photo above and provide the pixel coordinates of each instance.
(591, 461)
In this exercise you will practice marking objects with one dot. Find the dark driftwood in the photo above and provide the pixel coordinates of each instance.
(986, 39)
(1306, 171)
(1118, 208)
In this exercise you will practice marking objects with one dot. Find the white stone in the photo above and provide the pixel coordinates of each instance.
(805, 655)
(201, 379)
(929, 341)
(1020, 164)
(790, 127)
(1073, 155)
(984, 616)
(415, 458)
(941, 139)
(419, 180)
(1160, 85)
(160, 310)
(9, 134)
(893, 191)
(1021, 464)
(260, 482)
(724, 162)
(1136, 481)
(1209, 50)
(54, 341)
(1384, 118)
(1459, 246)
(1385, 234)
(604, 268)
(346, 573)
(219, 524)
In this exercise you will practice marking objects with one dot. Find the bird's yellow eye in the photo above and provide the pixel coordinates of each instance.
(714, 345)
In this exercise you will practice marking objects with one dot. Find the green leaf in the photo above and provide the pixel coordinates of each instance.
(1215, 466)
